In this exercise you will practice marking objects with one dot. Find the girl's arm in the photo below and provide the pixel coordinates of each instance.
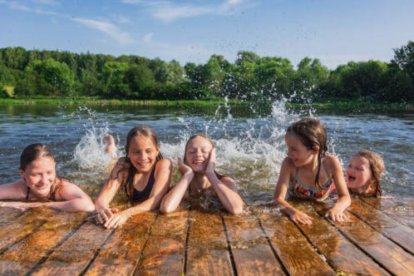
(175, 195)
(73, 200)
(281, 190)
(162, 175)
(336, 213)
(108, 192)
(16, 190)
(224, 188)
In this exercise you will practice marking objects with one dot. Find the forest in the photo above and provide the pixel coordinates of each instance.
(43, 73)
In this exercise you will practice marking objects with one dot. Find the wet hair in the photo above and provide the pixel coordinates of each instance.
(209, 140)
(312, 133)
(376, 166)
(144, 131)
(33, 152)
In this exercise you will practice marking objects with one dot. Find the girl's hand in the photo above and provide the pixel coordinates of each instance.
(211, 165)
(116, 220)
(104, 214)
(336, 215)
(183, 168)
(301, 217)
(121, 164)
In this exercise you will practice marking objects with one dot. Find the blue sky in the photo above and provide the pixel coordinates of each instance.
(335, 31)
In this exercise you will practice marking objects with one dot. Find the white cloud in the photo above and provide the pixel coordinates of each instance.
(105, 27)
(148, 37)
(46, 2)
(170, 13)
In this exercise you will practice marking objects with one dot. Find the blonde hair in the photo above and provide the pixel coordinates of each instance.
(376, 166)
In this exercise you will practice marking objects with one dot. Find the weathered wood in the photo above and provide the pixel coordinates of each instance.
(7, 215)
(293, 249)
(395, 231)
(208, 252)
(22, 226)
(339, 252)
(23, 256)
(165, 249)
(401, 208)
(388, 254)
(73, 256)
(251, 251)
(121, 253)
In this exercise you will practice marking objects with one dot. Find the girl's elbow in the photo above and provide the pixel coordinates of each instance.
(236, 210)
(166, 209)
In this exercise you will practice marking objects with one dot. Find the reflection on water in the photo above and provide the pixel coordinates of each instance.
(250, 143)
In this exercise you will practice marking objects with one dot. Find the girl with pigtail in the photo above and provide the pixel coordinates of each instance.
(310, 172)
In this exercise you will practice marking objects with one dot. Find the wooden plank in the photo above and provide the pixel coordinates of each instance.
(22, 226)
(208, 252)
(339, 252)
(121, 253)
(8, 214)
(164, 252)
(251, 251)
(395, 231)
(400, 209)
(73, 256)
(23, 256)
(296, 253)
(392, 257)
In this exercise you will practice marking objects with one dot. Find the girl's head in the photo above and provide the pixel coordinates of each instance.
(307, 142)
(197, 152)
(364, 171)
(38, 169)
(142, 148)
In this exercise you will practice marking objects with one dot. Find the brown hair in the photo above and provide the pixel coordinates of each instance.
(208, 139)
(312, 133)
(33, 152)
(144, 131)
(376, 166)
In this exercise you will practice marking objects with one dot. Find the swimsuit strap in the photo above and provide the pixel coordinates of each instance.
(326, 185)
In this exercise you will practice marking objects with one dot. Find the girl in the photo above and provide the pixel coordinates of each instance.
(143, 174)
(309, 172)
(363, 174)
(39, 185)
(198, 177)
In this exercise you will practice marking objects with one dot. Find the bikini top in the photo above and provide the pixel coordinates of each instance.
(50, 197)
(138, 196)
(318, 193)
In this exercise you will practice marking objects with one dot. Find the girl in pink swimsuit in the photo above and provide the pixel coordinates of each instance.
(309, 172)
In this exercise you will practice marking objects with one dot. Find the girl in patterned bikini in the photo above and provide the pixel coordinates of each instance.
(363, 174)
(309, 172)
(143, 174)
(39, 186)
(199, 178)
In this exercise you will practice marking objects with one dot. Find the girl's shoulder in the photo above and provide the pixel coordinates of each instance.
(330, 160)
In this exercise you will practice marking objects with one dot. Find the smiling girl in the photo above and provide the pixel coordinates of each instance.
(143, 175)
(309, 172)
(39, 185)
(363, 174)
(199, 177)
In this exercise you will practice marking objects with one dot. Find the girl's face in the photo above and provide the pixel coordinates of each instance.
(358, 173)
(297, 152)
(197, 153)
(142, 153)
(40, 175)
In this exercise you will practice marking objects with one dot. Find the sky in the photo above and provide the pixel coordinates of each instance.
(335, 31)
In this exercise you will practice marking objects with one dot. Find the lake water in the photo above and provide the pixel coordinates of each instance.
(250, 144)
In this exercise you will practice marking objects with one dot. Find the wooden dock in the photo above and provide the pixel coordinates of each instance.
(377, 240)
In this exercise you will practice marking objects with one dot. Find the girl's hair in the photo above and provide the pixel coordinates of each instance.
(376, 165)
(209, 140)
(312, 133)
(33, 152)
(144, 131)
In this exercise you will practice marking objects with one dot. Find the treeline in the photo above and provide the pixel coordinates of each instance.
(32, 73)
